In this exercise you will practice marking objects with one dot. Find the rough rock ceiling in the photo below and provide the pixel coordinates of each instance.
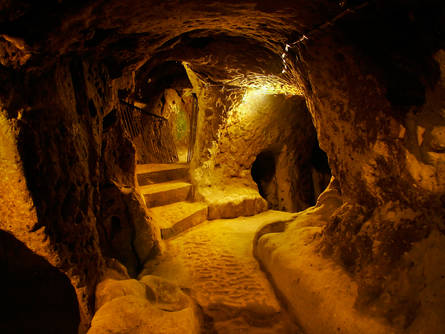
(217, 37)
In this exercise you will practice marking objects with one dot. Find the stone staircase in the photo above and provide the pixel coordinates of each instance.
(168, 194)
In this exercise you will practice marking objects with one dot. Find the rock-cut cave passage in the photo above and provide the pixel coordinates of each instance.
(222, 166)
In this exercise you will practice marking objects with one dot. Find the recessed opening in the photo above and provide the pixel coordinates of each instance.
(289, 169)
(160, 117)
(37, 298)
(263, 171)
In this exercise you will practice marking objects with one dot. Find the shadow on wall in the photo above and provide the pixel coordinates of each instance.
(321, 172)
(36, 297)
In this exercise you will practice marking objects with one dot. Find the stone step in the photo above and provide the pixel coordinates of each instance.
(178, 217)
(156, 173)
(165, 193)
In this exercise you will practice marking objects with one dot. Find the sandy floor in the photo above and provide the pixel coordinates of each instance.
(214, 263)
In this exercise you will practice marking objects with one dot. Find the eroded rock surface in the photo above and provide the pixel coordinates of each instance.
(151, 305)
(127, 232)
(323, 296)
(56, 136)
(245, 127)
(388, 207)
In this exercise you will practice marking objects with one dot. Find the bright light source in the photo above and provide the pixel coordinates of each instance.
(251, 98)
(257, 92)
(271, 84)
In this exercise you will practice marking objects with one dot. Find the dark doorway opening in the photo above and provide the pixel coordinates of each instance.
(291, 187)
(263, 171)
(37, 297)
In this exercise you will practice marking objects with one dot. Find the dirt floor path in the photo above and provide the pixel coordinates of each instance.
(214, 263)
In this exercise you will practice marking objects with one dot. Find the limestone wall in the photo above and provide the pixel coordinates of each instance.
(55, 146)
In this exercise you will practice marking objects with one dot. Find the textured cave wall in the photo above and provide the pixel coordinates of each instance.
(176, 106)
(151, 136)
(372, 85)
(127, 232)
(269, 123)
(225, 199)
(27, 253)
(379, 117)
(280, 125)
(59, 119)
(236, 125)
(76, 167)
(165, 90)
(214, 105)
(125, 35)
(178, 109)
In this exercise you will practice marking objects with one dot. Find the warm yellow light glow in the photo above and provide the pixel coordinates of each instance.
(269, 84)
(257, 88)
(252, 94)
(250, 103)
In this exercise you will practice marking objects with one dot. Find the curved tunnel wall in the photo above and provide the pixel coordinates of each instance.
(381, 151)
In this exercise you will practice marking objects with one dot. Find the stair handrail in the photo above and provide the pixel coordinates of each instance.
(155, 139)
(143, 110)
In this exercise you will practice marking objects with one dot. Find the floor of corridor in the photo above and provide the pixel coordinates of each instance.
(214, 263)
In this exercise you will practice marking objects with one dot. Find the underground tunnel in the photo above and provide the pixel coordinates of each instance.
(222, 167)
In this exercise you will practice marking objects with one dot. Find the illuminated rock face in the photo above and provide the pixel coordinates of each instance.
(373, 83)
(265, 123)
(78, 185)
(151, 304)
(246, 123)
(389, 205)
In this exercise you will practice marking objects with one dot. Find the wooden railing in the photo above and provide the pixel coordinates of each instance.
(150, 133)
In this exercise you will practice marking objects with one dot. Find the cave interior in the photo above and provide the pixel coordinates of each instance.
(222, 166)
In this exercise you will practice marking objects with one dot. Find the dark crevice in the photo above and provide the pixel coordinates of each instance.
(37, 298)
(263, 170)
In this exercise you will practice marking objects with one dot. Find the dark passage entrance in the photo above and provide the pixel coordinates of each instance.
(263, 170)
(295, 184)
(36, 297)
